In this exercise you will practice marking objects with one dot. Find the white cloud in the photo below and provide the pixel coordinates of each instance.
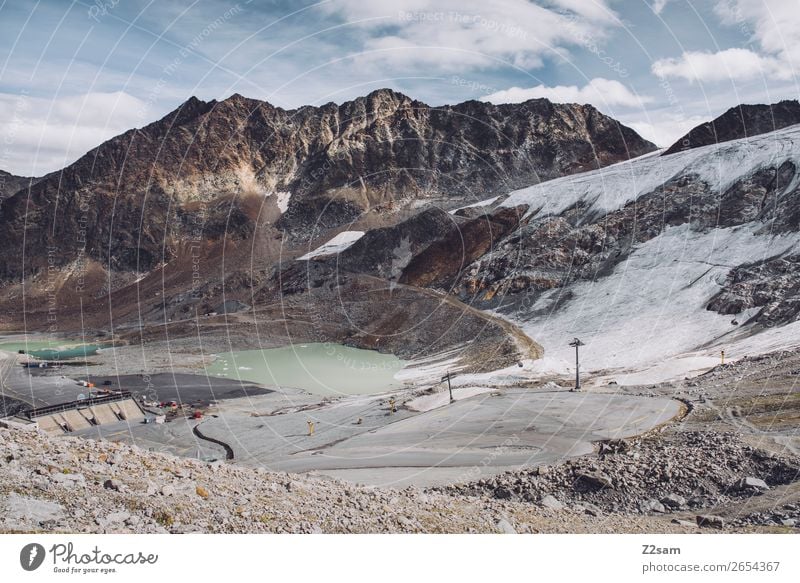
(590, 9)
(599, 92)
(772, 32)
(730, 64)
(43, 135)
(773, 24)
(658, 5)
(665, 130)
(444, 34)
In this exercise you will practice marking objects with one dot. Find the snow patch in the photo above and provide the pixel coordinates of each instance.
(336, 245)
(283, 200)
(478, 204)
(785, 337)
(647, 321)
(652, 307)
(696, 363)
(515, 374)
(430, 370)
(679, 367)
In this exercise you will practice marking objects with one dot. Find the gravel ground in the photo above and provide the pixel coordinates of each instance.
(77, 485)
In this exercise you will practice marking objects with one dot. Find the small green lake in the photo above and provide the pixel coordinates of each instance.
(52, 348)
(322, 369)
(81, 351)
(31, 345)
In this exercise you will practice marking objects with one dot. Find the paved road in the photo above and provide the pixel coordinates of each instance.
(10, 403)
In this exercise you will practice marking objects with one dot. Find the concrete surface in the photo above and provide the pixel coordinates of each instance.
(175, 438)
(469, 439)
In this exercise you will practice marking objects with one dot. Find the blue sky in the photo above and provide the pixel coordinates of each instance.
(73, 74)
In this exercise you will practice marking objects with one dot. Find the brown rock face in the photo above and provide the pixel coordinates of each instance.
(443, 261)
(208, 167)
(386, 252)
(740, 122)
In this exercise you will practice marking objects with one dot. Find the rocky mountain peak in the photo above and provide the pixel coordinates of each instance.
(387, 95)
(188, 111)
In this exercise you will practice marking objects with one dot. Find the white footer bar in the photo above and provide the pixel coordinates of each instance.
(406, 558)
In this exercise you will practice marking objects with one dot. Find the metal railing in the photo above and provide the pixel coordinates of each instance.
(81, 404)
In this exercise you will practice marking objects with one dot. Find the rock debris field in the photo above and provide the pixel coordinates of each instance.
(691, 471)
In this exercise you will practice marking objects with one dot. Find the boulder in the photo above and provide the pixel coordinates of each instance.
(504, 526)
(550, 502)
(589, 509)
(502, 493)
(653, 505)
(752, 484)
(23, 510)
(710, 521)
(612, 446)
(674, 501)
(593, 479)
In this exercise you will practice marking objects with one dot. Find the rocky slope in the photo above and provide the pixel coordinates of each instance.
(740, 122)
(694, 249)
(771, 286)
(208, 166)
(690, 471)
(555, 251)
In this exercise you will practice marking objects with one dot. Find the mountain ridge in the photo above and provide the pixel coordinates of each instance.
(376, 152)
(741, 121)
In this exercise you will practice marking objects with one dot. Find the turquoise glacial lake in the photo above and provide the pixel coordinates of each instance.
(321, 368)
